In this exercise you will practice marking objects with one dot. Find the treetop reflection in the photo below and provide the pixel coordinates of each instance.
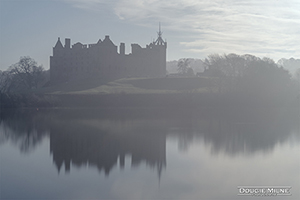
(102, 139)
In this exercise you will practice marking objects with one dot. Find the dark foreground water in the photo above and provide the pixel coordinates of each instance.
(148, 153)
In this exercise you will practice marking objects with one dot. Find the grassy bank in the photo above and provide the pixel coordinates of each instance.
(176, 92)
(133, 86)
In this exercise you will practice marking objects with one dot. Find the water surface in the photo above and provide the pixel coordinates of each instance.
(148, 153)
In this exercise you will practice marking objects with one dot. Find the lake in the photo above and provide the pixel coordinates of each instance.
(136, 153)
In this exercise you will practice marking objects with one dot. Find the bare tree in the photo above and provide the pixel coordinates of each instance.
(27, 73)
(183, 65)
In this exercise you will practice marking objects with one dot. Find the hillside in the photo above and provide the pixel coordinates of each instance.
(133, 86)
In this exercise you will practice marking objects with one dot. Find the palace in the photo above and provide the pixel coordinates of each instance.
(102, 60)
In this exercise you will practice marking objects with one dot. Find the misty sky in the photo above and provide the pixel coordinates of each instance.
(193, 28)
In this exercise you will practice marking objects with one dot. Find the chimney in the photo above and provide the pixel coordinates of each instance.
(122, 49)
(67, 43)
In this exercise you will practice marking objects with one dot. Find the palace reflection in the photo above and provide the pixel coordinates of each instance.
(102, 144)
(103, 138)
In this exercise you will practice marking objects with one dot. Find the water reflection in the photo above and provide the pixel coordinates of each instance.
(25, 129)
(244, 131)
(102, 143)
(102, 138)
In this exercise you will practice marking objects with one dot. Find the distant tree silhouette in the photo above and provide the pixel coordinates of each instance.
(213, 65)
(247, 73)
(183, 65)
(17, 82)
(26, 73)
(291, 64)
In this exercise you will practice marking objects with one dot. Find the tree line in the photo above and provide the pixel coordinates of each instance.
(229, 73)
(258, 78)
(247, 72)
(246, 75)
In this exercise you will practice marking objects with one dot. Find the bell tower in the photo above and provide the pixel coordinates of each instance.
(161, 58)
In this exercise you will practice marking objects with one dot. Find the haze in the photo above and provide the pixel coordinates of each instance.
(192, 28)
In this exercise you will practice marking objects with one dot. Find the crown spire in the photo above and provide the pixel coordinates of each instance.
(159, 40)
(159, 31)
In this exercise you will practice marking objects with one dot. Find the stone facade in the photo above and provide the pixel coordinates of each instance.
(102, 60)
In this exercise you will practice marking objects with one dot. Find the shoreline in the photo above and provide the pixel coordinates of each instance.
(167, 100)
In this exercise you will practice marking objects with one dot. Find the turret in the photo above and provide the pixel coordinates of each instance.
(160, 45)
